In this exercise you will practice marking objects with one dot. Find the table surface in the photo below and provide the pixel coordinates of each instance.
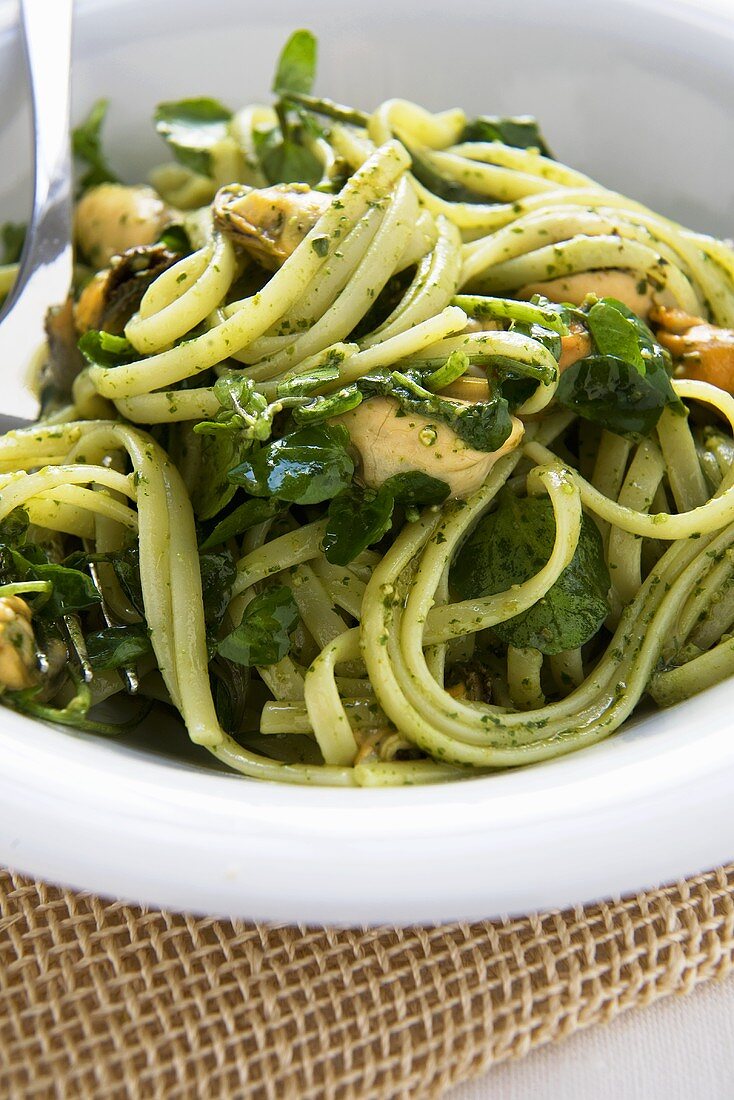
(679, 1048)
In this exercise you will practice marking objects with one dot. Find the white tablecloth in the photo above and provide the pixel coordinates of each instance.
(681, 1048)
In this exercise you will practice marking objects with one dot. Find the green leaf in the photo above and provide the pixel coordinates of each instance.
(296, 69)
(71, 589)
(539, 311)
(357, 518)
(456, 365)
(218, 572)
(307, 466)
(243, 410)
(12, 235)
(126, 564)
(213, 489)
(325, 406)
(521, 131)
(245, 516)
(116, 646)
(442, 186)
(230, 683)
(485, 425)
(74, 713)
(626, 384)
(192, 127)
(614, 334)
(14, 528)
(102, 349)
(512, 544)
(284, 160)
(417, 489)
(263, 636)
(300, 385)
(86, 143)
(175, 238)
(612, 393)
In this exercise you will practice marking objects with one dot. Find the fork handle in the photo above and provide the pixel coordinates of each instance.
(47, 35)
(46, 263)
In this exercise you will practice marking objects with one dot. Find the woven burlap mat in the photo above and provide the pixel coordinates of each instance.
(100, 999)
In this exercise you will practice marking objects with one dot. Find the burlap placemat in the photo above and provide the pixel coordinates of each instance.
(100, 999)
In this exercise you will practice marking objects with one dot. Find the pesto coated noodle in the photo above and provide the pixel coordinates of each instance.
(383, 447)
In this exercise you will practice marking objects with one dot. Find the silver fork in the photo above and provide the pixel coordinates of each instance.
(45, 271)
(46, 263)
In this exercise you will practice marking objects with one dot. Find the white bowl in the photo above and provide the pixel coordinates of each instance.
(638, 95)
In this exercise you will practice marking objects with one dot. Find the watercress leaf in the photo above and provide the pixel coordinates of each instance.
(455, 366)
(512, 544)
(175, 238)
(263, 636)
(417, 488)
(328, 405)
(438, 184)
(296, 68)
(614, 334)
(126, 564)
(102, 349)
(213, 489)
(86, 143)
(521, 131)
(14, 528)
(301, 385)
(116, 646)
(230, 683)
(74, 713)
(192, 127)
(613, 393)
(538, 311)
(12, 236)
(284, 160)
(644, 332)
(485, 425)
(243, 410)
(245, 516)
(71, 589)
(515, 388)
(357, 518)
(307, 466)
(218, 572)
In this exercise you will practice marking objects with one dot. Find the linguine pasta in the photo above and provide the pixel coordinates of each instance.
(399, 462)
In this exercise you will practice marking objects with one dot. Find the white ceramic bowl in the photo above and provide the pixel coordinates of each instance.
(640, 96)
